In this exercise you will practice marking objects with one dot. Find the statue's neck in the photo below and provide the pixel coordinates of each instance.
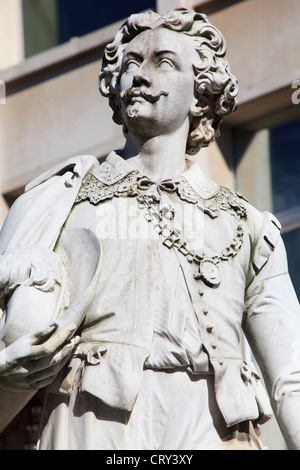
(158, 157)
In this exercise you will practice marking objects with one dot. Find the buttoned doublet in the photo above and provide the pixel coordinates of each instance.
(164, 298)
(185, 264)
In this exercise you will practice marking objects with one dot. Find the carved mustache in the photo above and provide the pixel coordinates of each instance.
(135, 92)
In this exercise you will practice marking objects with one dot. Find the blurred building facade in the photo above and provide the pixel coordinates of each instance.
(50, 107)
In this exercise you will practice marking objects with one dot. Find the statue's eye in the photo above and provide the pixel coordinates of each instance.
(166, 64)
(132, 65)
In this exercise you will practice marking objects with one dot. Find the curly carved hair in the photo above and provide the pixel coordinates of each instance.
(215, 86)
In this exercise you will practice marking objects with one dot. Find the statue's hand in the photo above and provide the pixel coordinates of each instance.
(33, 361)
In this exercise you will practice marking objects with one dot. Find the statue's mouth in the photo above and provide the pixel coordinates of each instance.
(134, 92)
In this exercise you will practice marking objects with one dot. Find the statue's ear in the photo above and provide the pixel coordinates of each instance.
(108, 82)
(104, 84)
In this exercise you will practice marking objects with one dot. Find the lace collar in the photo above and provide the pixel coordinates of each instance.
(116, 177)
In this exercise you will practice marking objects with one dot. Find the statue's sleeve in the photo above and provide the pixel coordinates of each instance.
(272, 326)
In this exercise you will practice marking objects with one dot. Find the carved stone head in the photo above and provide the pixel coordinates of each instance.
(215, 87)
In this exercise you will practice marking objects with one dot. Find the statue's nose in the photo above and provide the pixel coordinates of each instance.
(140, 79)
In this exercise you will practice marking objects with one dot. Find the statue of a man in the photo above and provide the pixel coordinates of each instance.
(125, 284)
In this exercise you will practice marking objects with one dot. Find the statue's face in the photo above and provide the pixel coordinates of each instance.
(157, 81)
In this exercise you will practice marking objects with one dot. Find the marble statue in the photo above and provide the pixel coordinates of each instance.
(125, 285)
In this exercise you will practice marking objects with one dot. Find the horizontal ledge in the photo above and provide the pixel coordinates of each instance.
(57, 60)
(210, 7)
(266, 110)
(15, 183)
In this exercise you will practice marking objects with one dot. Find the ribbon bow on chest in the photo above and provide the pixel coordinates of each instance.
(154, 195)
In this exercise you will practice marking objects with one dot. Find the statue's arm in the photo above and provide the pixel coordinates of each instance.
(272, 326)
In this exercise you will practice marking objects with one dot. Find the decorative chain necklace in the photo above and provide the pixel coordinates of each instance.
(159, 210)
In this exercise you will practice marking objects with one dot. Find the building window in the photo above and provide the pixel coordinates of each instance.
(40, 25)
(77, 17)
(48, 23)
(285, 177)
(285, 165)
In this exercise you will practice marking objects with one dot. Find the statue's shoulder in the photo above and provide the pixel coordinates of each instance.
(264, 231)
(78, 165)
(260, 222)
(49, 196)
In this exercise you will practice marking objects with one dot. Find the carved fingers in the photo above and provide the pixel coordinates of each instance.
(51, 343)
(42, 372)
(35, 361)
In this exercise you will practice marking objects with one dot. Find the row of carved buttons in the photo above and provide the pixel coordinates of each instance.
(209, 328)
